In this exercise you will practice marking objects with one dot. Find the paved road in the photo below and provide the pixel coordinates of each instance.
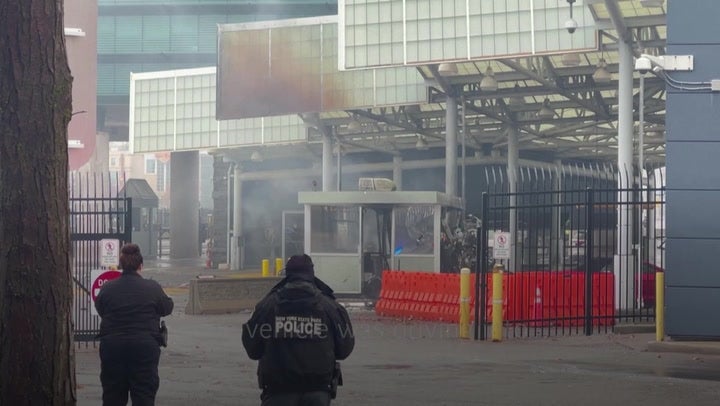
(416, 363)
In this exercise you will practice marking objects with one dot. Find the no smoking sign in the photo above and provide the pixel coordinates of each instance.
(501, 247)
(109, 252)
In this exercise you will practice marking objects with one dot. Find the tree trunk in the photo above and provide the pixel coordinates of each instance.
(37, 364)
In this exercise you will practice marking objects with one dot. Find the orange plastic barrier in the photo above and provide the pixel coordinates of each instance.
(533, 298)
(559, 298)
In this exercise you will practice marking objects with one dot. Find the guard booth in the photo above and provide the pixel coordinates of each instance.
(353, 236)
(145, 221)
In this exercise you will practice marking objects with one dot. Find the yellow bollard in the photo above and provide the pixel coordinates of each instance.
(465, 303)
(497, 302)
(278, 266)
(265, 267)
(659, 306)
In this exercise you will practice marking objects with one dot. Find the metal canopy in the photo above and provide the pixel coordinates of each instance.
(583, 125)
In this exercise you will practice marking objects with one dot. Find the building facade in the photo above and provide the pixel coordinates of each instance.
(693, 182)
(155, 35)
(81, 43)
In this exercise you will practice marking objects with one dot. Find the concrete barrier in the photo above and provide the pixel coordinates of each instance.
(225, 295)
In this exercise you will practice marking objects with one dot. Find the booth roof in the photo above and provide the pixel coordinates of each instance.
(141, 193)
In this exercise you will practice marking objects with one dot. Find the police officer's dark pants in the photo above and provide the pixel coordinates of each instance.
(129, 364)
(321, 398)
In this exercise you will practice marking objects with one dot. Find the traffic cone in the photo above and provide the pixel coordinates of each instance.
(536, 311)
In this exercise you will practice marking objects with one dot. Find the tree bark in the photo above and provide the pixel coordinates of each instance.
(37, 364)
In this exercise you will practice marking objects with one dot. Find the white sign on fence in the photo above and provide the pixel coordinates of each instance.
(501, 246)
(109, 252)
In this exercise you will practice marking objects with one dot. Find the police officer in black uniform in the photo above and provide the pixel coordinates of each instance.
(299, 332)
(130, 308)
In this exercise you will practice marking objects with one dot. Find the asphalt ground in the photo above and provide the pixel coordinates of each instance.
(399, 362)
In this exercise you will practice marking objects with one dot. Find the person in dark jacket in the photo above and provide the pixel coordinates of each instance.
(130, 308)
(298, 332)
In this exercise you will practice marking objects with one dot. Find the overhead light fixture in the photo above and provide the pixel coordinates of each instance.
(652, 3)
(354, 125)
(546, 111)
(488, 82)
(602, 75)
(421, 144)
(516, 99)
(447, 69)
(571, 59)
(257, 157)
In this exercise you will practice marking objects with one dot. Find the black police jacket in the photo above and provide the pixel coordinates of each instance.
(297, 332)
(132, 306)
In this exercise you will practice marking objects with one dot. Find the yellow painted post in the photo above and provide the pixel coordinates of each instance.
(659, 306)
(497, 302)
(278, 266)
(265, 267)
(465, 303)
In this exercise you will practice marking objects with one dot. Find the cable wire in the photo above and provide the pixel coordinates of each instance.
(680, 82)
(676, 84)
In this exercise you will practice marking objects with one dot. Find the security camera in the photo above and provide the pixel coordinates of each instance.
(571, 25)
(643, 64)
(646, 63)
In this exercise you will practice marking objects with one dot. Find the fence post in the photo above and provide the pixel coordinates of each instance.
(659, 306)
(481, 263)
(128, 220)
(497, 303)
(465, 303)
(589, 243)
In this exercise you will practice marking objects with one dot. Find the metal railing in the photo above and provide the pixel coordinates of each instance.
(97, 212)
(582, 253)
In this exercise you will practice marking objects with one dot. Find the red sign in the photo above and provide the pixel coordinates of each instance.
(100, 279)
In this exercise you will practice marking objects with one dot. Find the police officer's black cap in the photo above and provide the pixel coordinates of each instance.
(300, 264)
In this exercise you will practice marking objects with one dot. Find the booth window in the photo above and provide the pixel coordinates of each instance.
(414, 230)
(136, 219)
(335, 229)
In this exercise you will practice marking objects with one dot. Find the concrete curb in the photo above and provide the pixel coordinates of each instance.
(226, 295)
(634, 329)
(690, 347)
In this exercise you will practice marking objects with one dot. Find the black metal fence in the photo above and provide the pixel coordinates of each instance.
(97, 212)
(580, 253)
